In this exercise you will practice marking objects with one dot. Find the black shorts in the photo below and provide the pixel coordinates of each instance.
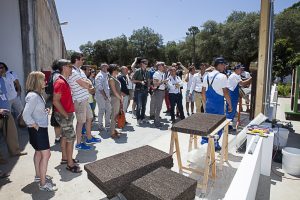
(39, 140)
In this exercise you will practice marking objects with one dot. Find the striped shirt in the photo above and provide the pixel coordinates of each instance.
(78, 93)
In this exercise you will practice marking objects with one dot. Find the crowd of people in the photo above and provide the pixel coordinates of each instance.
(74, 89)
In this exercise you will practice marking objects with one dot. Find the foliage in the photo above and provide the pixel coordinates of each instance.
(282, 57)
(284, 90)
(287, 25)
(236, 40)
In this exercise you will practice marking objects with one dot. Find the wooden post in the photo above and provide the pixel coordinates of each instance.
(262, 55)
(171, 151)
(178, 151)
(190, 143)
(195, 142)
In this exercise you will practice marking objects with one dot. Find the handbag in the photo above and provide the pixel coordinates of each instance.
(20, 120)
(121, 118)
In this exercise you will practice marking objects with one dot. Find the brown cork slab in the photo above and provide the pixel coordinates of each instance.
(162, 184)
(115, 173)
(199, 124)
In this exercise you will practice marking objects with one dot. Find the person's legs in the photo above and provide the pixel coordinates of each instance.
(81, 116)
(101, 109)
(172, 98)
(152, 106)
(198, 102)
(69, 152)
(107, 113)
(158, 105)
(138, 98)
(125, 103)
(89, 120)
(180, 106)
(45, 155)
(57, 131)
(144, 103)
(115, 104)
(167, 100)
(37, 160)
(63, 143)
(192, 107)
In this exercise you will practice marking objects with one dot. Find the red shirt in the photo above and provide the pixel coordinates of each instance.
(62, 87)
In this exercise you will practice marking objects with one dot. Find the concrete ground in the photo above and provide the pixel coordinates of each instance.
(20, 184)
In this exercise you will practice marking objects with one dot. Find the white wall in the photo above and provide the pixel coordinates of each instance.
(10, 37)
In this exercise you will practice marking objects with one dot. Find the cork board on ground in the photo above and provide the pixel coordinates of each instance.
(113, 174)
(162, 184)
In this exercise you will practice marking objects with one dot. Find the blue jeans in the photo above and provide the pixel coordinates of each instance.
(141, 101)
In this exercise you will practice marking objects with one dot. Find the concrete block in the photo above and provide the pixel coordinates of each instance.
(115, 173)
(162, 184)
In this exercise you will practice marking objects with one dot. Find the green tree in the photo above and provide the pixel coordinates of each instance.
(88, 51)
(239, 37)
(287, 25)
(146, 43)
(283, 56)
(192, 32)
(171, 52)
(208, 41)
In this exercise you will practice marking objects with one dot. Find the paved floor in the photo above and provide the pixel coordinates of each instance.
(20, 184)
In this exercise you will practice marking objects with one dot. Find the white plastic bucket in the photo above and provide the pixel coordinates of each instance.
(291, 160)
(280, 137)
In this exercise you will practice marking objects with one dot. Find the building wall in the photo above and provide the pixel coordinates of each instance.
(10, 37)
(48, 37)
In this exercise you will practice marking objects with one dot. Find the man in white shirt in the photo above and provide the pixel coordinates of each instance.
(234, 82)
(196, 87)
(103, 97)
(189, 80)
(158, 96)
(245, 76)
(213, 92)
(175, 94)
(81, 86)
(12, 95)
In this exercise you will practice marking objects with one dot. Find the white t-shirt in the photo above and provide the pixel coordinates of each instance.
(172, 84)
(189, 83)
(158, 75)
(219, 83)
(10, 86)
(197, 83)
(233, 80)
(78, 93)
(245, 74)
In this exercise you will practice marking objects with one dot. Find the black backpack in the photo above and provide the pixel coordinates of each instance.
(49, 88)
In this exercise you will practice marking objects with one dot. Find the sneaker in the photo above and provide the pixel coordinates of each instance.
(188, 114)
(48, 187)
(38, 179)
(93, 140)
(139, 122)
(133, 116)
(83, 147)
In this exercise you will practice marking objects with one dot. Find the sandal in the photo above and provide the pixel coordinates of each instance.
(74, 169)
(65, 161)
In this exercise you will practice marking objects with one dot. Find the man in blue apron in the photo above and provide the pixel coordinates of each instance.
(234, 82)
(213, 92)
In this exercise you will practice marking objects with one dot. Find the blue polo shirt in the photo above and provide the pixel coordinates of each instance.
(4, 104)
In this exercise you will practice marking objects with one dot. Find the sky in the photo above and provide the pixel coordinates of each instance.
(92, 20)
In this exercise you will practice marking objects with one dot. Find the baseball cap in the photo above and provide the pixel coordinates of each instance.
(220, 60)
(237, 67)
